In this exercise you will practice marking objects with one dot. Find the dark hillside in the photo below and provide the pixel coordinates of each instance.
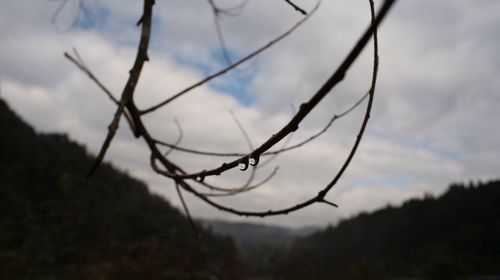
(54, 225)
(454, 235)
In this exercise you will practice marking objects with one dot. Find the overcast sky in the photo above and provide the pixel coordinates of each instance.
(434, 121)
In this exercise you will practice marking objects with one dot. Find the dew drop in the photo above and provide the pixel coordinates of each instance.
(243, 166)
(200, 179)
(254, 160)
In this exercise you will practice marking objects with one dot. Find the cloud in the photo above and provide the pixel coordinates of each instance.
(433, 120)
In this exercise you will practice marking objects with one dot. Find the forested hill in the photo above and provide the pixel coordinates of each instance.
(447, 237)
(54, 225)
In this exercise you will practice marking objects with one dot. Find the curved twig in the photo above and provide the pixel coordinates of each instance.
(179, 137)
(320, 197)
(305, 108)
(284, 148)
(235, 191)
(242, 188)
(179, 176)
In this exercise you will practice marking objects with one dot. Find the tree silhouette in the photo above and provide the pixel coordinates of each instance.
(186, 182)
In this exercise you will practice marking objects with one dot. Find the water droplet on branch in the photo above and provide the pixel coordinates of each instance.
(243, 165)
(254, 160)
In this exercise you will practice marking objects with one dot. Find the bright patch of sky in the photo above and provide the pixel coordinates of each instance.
(93, 18)
(236, 83)
(400, 182)
(427, 144)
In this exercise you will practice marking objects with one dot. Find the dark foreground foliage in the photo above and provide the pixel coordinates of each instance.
(56, 225)
(454, 236)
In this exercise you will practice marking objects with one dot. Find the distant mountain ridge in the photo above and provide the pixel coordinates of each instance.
(254, 234)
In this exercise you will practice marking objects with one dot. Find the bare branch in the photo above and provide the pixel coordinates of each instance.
(329, 203)
(323, 130)
(234, 65)
(297, 8)
(179, 138)
(81, 11)
(229, 11)
(320, 197)
(186, 210)
(128, 91)
(242, 130)
(284, 148)
(181, 178)
(235, 191)
(78, 61)
(216, 14)
(305, 108)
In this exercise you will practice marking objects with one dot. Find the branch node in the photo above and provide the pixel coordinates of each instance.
(139, 22)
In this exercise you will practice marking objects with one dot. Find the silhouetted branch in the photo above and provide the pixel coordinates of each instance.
(297, 8)
(284, 148)
(186, 210)
(329, 203)
(235, 191)
(216, 15)
(323, 130)
(179, 138)
(285, 144)
(320, 197)
(232, 66)
(164, 166)
(128, 91)
(305, 108)
(78, 61)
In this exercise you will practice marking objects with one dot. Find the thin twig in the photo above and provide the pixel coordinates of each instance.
(186, 210)
(372, 30)
(284, 148)
(179, 137)
(128, 91)
(218, 29)
(232, 192)
(78, 61)
(297, 8)
(172, 170)
(234, 65)
(305, 108)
